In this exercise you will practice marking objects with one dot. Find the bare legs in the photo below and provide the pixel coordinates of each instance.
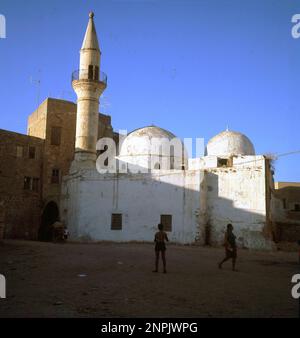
(163, 256)
(226, 259)
(156, 261)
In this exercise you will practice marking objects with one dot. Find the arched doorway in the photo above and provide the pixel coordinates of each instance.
(49, 216)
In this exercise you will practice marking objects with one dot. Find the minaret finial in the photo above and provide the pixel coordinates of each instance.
(91, 14)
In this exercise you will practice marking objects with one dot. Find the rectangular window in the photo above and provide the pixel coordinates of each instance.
(297, 207)
(35, 184)
(116, 222)
(96, 77)
(90, 74)
(27, 183)
(166, 221)
(31, 153)
(223, 162)
(55, 176)
(20, 151)
(55, 136)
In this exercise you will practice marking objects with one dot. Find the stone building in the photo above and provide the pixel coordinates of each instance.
(32, 167)
(20, 182)
(286, 211)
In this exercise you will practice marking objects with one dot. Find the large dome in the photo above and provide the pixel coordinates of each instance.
(152, 147)
(229, 143)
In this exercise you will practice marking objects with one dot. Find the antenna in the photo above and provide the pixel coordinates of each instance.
(38, 84)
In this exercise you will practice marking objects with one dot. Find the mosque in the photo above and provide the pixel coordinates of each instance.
(193, 198)
(73, 168)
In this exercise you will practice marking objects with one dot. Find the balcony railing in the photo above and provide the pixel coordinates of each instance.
(91, 74)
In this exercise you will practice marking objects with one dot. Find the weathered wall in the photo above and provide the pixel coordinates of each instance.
(90, 198)
(202, 203)
(37, 121)
(59, 113)
(21, 208)
(237, 195)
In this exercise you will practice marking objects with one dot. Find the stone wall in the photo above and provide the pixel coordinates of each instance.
(55, 113)
(285, 216)
(20, 207)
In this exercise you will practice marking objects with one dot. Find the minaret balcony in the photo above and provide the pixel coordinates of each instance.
(91, 74)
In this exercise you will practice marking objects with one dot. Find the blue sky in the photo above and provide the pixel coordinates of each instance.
(190, 66)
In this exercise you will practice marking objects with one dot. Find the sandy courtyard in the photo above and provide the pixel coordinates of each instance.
(116, 280)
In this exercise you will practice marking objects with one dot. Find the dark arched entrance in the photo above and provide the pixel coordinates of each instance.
(49, 216)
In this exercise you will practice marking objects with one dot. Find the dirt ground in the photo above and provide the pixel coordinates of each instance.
(116, 280)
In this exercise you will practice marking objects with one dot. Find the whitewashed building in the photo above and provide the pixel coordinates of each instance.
(193, 198)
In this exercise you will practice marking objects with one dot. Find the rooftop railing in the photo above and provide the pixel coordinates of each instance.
(89, 74)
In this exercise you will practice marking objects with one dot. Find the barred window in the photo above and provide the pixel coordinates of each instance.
(116, 222)
(166, 221)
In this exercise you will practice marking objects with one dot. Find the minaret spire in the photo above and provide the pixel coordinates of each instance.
(90, 40)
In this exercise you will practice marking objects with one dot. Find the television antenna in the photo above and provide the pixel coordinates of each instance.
(37, 82)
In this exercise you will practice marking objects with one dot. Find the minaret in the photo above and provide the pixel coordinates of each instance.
(88, 84)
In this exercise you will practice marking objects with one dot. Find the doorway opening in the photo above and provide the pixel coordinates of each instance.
(49, 216)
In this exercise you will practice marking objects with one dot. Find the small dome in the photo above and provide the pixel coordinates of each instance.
(149, 147)
(229, 143)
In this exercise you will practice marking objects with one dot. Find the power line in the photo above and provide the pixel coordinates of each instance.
(289, 153)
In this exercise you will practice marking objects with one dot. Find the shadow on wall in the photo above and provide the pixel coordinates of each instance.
(250, 225)
(151, 195)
